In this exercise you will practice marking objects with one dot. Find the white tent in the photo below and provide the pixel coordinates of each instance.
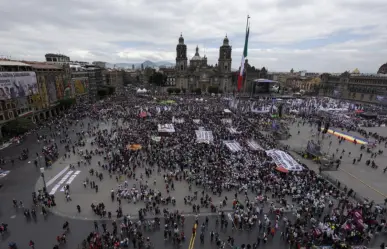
(203, 136)
(166, 128)
(233, 146)
(141, 90)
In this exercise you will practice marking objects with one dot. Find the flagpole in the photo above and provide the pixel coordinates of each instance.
(245, 76)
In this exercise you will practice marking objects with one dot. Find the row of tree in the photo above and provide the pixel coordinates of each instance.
(104, 91)
(211, 89)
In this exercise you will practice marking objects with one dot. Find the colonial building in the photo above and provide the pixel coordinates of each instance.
(198, 74)
(170, 73)
(355, 86)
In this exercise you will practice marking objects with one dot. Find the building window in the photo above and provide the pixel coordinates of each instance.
(1, 117)
(181, 67)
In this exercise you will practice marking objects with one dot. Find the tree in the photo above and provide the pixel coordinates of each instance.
(102, 92)
(111, 90)
(213, 89)
(18, 126)
(158, 79)
(66, 103)
(198, 91)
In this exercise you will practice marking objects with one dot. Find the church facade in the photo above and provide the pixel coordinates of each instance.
(198, 74)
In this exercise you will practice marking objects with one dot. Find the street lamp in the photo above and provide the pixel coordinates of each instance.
(44, 180)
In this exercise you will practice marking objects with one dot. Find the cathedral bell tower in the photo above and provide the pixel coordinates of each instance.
(181, 55)
(224, 61)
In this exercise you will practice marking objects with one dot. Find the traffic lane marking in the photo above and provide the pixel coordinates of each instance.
(193, 236)
(364, 183)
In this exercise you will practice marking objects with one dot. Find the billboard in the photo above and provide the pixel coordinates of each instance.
(51, 89)
(17, 84)
(81, 86)
(59, 86)
(42, 100)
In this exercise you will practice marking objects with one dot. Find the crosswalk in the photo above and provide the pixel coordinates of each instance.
(67, 179)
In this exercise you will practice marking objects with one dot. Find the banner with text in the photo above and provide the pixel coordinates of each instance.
(17, 84)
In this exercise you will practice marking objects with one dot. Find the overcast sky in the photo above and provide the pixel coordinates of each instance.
(312, 35)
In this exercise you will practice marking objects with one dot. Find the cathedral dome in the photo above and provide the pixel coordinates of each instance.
(383, 69)
(196, 56)
(181, 39)
(356, 71)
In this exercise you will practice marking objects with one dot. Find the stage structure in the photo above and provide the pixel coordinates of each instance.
(264, 86)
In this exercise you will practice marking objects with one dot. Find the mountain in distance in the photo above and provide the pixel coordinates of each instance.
(146, 64)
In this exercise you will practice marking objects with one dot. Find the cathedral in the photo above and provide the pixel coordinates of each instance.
(198, 74)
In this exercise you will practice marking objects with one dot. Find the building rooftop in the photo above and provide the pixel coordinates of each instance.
(13, 63)
(56, 55)
(43, 66)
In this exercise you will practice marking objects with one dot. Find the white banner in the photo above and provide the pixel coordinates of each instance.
(17, 84)
(233, 146)
(203, 136)
(283, 159)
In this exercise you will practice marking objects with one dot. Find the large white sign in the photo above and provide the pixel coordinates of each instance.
(234, 146)
(204, 136)
(283, 159)
(167, 128)
(17, 84)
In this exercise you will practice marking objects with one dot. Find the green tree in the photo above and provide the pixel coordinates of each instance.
(66, 103)
(18, 126)
(198, 91)
(213, 89)
(102, 92)
(158, 79)
(111, 90)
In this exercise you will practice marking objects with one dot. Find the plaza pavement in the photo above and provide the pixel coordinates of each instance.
(365, 181)
(23, 179)
(60, 174)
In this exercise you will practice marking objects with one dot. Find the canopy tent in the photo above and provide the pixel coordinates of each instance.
(177, 120)
(227, 111)
(284, 160)
(143, 115)
(204, 136)
(133, 147)
(233, 131)
(167, 102)
(141, 90)
(226, 121)
(233, 146)
(166, 128)
(254, 145)
(156, 138)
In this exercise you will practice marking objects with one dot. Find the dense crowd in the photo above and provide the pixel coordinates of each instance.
(225, 173)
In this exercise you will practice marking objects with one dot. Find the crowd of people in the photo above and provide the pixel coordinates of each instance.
(228, 172)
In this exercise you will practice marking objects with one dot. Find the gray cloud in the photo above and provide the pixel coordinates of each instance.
(137, 30)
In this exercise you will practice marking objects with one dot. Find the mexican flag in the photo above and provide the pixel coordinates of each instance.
(241, 71)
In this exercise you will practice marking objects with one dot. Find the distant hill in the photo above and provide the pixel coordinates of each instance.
(138, 65)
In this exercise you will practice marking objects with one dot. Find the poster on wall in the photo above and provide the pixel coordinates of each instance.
(51, 89)
(59, 87)
(68, 92)
(43, 91)
(80, 86)
(17, 84)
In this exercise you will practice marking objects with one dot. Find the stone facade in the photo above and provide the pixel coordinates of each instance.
(354, 86)
(198, 74)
